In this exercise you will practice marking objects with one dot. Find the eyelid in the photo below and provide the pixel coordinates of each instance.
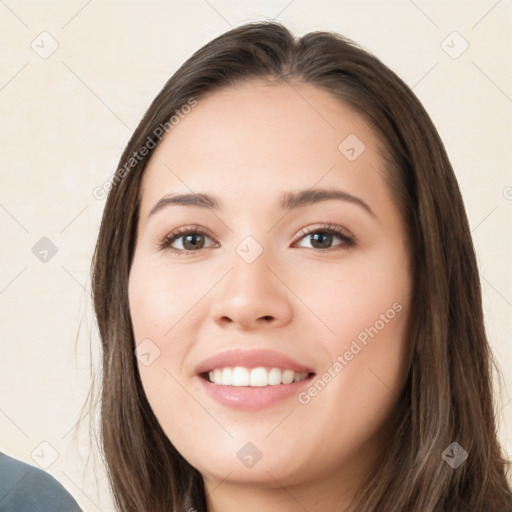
(180, 232)
(332, 228)
(347, 237)
(348, 240)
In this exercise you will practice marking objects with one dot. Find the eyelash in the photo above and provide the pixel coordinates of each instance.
(347, 241)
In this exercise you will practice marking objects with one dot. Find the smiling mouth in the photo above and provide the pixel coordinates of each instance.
(260, 376)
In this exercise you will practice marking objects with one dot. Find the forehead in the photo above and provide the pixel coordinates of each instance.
(260, 137)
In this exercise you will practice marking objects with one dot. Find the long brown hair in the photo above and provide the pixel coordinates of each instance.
(448, 394)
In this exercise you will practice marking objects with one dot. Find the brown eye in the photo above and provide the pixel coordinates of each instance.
(323, 238)
(186, 240)
(193, 241)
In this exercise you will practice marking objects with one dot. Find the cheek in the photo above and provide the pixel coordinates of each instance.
(166, 313)
(358, 295)
(366, 306)
(162, 300)
(359, 389)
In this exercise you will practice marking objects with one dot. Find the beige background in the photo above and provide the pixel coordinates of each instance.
(67, 116)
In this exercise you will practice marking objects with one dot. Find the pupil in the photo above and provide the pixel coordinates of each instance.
(194, 241)
(326, 236)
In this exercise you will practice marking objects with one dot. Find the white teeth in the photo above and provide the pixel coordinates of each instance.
(254, 377)
(227, 375)
(239, 377)
(274, 376)
(288, 376)
(259, 377)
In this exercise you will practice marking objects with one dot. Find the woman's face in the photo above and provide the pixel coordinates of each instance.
(296, 268)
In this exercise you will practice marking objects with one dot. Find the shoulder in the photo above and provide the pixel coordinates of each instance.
(24, 488)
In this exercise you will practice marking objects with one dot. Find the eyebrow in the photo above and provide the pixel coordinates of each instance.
(288, 200)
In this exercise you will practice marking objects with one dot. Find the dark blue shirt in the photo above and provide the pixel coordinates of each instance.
(24, 488)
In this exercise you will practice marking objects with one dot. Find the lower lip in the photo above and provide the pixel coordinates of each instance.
(252, 398)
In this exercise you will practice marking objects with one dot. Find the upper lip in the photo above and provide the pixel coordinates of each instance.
(250, 359)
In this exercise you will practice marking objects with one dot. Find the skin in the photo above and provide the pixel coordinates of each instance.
(247, 145)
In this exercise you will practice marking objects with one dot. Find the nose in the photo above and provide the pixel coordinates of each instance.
(252, 296)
